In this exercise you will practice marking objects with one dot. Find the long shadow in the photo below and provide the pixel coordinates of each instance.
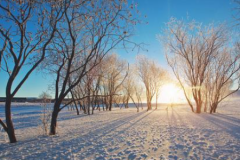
(34, 121)
(92, 135)
(229, 118)
(171, 119)
(171, 127)
(179, 118)
(219, 121)
(116, 124)
(133, 124)
(177, 128)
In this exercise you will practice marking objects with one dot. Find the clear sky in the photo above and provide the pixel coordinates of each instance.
(158, 13)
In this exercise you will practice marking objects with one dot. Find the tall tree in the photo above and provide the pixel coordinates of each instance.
(159, 78)
(116, 72)
(146, 70)
(191, 50)
(224, 77)
(89, 30)
(23, 45)
(128, 87)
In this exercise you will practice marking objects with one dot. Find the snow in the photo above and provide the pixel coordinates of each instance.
(176, 133)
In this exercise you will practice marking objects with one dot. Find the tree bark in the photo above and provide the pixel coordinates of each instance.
(198, 107)
(54, 118)
(110, 103)
(205, 107)
(10, 128)
(74, 102)
(213, 108)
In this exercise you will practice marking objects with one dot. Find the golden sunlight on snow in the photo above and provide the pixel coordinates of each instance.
(170, 93)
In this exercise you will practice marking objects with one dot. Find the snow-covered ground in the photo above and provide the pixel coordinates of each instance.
(175, 133)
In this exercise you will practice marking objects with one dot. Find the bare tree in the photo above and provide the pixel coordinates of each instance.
(46, 112)
(145, 69)
(191, 50)
(96, 94)
(128, 88)
(224, 79)
(88, 31)
(159, 78)
(116, 71)
(236, 12)
(92, 82)
(77, 93)
(2, 49)
(138, 93)
(73, 96)
(23, 45)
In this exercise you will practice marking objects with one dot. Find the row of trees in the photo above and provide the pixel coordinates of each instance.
(66, 38)
(115, 83)
(70, 40)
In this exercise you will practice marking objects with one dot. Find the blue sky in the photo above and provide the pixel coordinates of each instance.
(158, 13)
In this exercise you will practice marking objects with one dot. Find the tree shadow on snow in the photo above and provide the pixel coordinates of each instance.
(98, 137)
(230, 124)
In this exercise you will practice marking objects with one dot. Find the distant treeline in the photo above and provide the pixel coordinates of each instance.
(34, 100)
(22, 99)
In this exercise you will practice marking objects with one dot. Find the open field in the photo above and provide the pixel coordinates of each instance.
(173, 133)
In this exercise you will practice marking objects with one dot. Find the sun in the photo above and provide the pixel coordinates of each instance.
(170, 93)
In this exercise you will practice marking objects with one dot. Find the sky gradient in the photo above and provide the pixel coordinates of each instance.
(158, 13)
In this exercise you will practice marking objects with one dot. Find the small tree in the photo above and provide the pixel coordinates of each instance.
(46, 111)
(138, 92)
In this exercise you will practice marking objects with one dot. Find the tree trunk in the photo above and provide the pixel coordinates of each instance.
(156, 102)
(110, 107)
(213, 108)
(77, 108)
(54, 118)
(110, 103)
(198, 107)
(10, 128)
(198, 110)
(150, 104)
(205, 107)
(80, 105)
(127, 101)
(75, 103)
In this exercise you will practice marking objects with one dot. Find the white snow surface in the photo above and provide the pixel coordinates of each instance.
(173, 133)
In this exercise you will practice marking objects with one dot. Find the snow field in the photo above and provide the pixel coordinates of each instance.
(175, 133)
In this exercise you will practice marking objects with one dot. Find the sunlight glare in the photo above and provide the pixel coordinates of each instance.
(170, 93)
